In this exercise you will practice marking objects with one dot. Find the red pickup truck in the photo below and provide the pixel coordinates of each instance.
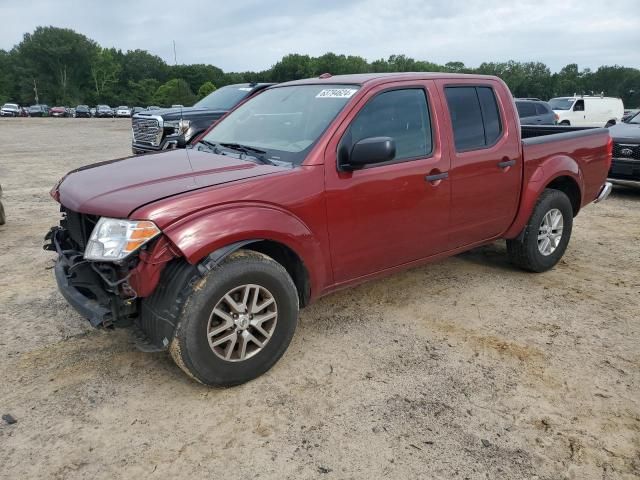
(309, 187)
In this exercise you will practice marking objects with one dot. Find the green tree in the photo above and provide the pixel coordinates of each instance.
(175, 91)
(205, 89)
(59, 59)
(105, 72)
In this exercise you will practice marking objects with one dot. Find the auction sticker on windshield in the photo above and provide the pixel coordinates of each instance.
(336, 93)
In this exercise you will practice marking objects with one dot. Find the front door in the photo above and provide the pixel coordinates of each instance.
(389, 214)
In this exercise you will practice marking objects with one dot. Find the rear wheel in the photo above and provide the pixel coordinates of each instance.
(544, 239)
(3, 218)
(237, 321)
(565, 123)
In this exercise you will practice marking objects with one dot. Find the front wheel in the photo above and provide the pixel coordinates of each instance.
(544, 239)
(237, 322)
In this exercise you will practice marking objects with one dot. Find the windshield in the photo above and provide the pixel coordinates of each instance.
(285, 122)
(10, 106)
(635, 119)
(561, 103)
(224, 98)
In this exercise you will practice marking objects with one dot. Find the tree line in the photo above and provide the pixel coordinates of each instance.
(67, 68)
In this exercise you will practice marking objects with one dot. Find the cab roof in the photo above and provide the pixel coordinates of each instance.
(376, 78)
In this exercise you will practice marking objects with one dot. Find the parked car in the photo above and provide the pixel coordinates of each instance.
(625, 167)
(104, 111)
(587, 111)
(123, 111)
(38, 111)
(3, 217)
(153, 107)
(10, 110)
(24, 112)
(135, 110)
(177, 127)
(535, 112)
(58, 112)
(309, 187)
(93, 112)
(82, 111)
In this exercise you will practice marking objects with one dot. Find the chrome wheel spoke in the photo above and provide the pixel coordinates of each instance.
(233, 304)
(224, 339)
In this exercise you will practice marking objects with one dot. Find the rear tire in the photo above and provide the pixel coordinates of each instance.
(565, 123)
(544, 239)
(3, 218)
(226, 336)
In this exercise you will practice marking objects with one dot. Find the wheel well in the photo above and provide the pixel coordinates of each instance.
(570, 188)
(565, 122)
(290, 261)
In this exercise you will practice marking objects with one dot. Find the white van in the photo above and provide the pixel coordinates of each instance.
(587, 111)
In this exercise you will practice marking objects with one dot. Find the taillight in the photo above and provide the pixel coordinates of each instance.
(609, 152)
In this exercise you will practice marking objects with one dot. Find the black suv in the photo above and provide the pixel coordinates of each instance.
(625, 166)
(155, 130)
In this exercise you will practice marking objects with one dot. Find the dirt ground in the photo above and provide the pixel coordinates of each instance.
(467, 368)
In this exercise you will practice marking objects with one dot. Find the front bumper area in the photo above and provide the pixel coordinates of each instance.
(93, 292)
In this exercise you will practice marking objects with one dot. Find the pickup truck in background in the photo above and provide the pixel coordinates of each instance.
(313, 186)
(625, 166)
(176, 127)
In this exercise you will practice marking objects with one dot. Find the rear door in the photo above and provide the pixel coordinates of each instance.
(389, 214)
(486, 161)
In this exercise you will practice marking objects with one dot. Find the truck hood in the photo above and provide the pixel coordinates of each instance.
(185, 112)
(118, 187)
(622, 132)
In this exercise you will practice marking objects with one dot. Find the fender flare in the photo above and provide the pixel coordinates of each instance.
(546, 172)
(215, 234)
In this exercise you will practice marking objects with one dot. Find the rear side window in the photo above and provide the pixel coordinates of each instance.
(541, 109)
(400, 114)
(525, 109)
(474, 116)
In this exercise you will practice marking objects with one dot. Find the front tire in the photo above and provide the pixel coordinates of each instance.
(544, 239)
(237, 321)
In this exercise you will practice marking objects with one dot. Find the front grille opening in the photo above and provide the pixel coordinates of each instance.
(79, 226)
(145, 130)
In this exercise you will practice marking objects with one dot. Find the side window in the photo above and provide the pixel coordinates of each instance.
(466, 117)
(400, 114)
(525, 109)
(579, 106)
(490, 115)
(474, 116)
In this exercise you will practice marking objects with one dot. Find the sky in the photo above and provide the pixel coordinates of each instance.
(243, 35)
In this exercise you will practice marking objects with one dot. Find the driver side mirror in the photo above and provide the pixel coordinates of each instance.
(365, 152)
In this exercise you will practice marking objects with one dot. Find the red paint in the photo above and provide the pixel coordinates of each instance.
(346, 227)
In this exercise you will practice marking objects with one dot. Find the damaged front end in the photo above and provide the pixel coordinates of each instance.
(107, 293)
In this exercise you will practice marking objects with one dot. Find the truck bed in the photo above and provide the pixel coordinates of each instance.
(584, 150)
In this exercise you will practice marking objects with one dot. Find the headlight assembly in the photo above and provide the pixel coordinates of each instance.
(113, 239)
(180, 127)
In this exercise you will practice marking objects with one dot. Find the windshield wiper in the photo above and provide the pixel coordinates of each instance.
(210, 145)
(249, 150)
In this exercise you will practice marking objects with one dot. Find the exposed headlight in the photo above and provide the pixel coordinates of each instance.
(180, 127)
(113, 239)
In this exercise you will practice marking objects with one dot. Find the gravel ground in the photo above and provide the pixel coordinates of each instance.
(467, 368)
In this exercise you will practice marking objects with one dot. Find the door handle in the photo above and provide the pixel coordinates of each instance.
(506, 163)
(436, 177)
